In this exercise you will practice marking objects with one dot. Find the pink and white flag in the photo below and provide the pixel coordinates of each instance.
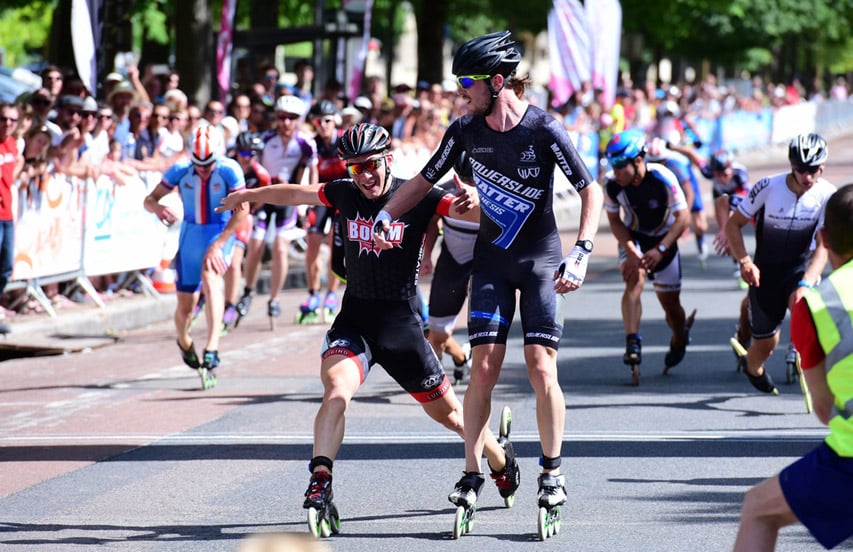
(569, 48)
(605, 24)
(224, 45)
(354, 88)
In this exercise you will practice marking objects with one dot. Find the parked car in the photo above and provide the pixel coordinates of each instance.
(17, 81)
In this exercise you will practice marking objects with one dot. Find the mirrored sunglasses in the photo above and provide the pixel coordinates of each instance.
(467, 81)
(355, 169)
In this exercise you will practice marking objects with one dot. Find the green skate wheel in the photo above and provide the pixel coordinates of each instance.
(459, 523)
(542, 523)
(509, 501)
(506, 422)
(325, 527)
(334, 519)
(314, 522)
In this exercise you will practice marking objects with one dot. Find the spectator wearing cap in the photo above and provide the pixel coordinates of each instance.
(68, 110)
(121, 99)
(110, 81)
(88, 122)
(365, 106)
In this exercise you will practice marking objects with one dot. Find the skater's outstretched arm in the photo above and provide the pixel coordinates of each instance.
(277, 194)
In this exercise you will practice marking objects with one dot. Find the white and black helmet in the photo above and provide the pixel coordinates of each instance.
(363, 139)
(807, 150)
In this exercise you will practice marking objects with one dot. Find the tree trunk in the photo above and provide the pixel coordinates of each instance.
(432, 19)
(194, 49)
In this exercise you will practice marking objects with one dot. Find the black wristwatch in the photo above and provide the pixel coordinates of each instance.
(586, 245)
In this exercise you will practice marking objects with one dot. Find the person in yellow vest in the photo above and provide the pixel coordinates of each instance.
(817, 489)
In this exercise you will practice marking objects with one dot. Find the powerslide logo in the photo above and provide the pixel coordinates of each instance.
(361, 230)
(431, 171)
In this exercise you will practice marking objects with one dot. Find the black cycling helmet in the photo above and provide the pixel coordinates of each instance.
(721, 160)
(249, 141)
(323, 108)
(807, 150)
(363, 139)
(490, 54)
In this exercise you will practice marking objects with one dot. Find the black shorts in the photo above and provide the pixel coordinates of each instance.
(320, 217)
(768, 303)
(388, 333)
(496, 278)
(449, 286)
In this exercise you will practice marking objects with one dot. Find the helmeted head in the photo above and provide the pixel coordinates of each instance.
(484, 57)
(721, 160)
(656, 150)
(292, 105)
(491, 54)
(807, 151)
(205, 145)
(249, 142)
(324, 110)
(624, 147)
(363, 139)
(365, 148)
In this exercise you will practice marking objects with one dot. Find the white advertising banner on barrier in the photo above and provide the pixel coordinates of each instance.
(120, 234)
(49, 228)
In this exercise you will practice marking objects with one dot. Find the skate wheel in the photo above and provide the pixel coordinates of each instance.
(543, 524)
(459, 523)
(334, 519)
(325, 527)
(509, 501)
(506, 422)
(314, 522)
(557, 522)
(635, 375)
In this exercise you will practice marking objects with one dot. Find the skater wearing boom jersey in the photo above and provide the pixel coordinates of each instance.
(378, 321)
(513, 147)
(788, 210)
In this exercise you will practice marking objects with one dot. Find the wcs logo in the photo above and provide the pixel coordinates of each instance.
(361, 230)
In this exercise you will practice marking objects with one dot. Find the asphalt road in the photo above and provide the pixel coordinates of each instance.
(116, 449)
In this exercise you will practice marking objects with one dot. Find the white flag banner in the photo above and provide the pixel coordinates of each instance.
(569, 49)
(605, 23)
(83, 44)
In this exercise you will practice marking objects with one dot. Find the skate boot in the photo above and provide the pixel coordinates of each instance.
(464, 496)
(189, 356)
(229, 318)
(633, 355)
(309, 310)
(763, 383)
(323, 518)
(552, 495)
(243, 306)
(273, 311)
(703, 253)
(464, 366)
(209, 362)
(330, 306)
(508, 479)
(676, 355)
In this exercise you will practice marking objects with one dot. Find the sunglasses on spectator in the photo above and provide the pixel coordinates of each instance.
(105, 116)
(245, 153)
(162, 115)
(9, 120)
(355, 169)
(40, 100)
(73, 112)
(467, 81)
(290, 116)
(324, 120)
(215, 111)
(88, 114)
(809, 170)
